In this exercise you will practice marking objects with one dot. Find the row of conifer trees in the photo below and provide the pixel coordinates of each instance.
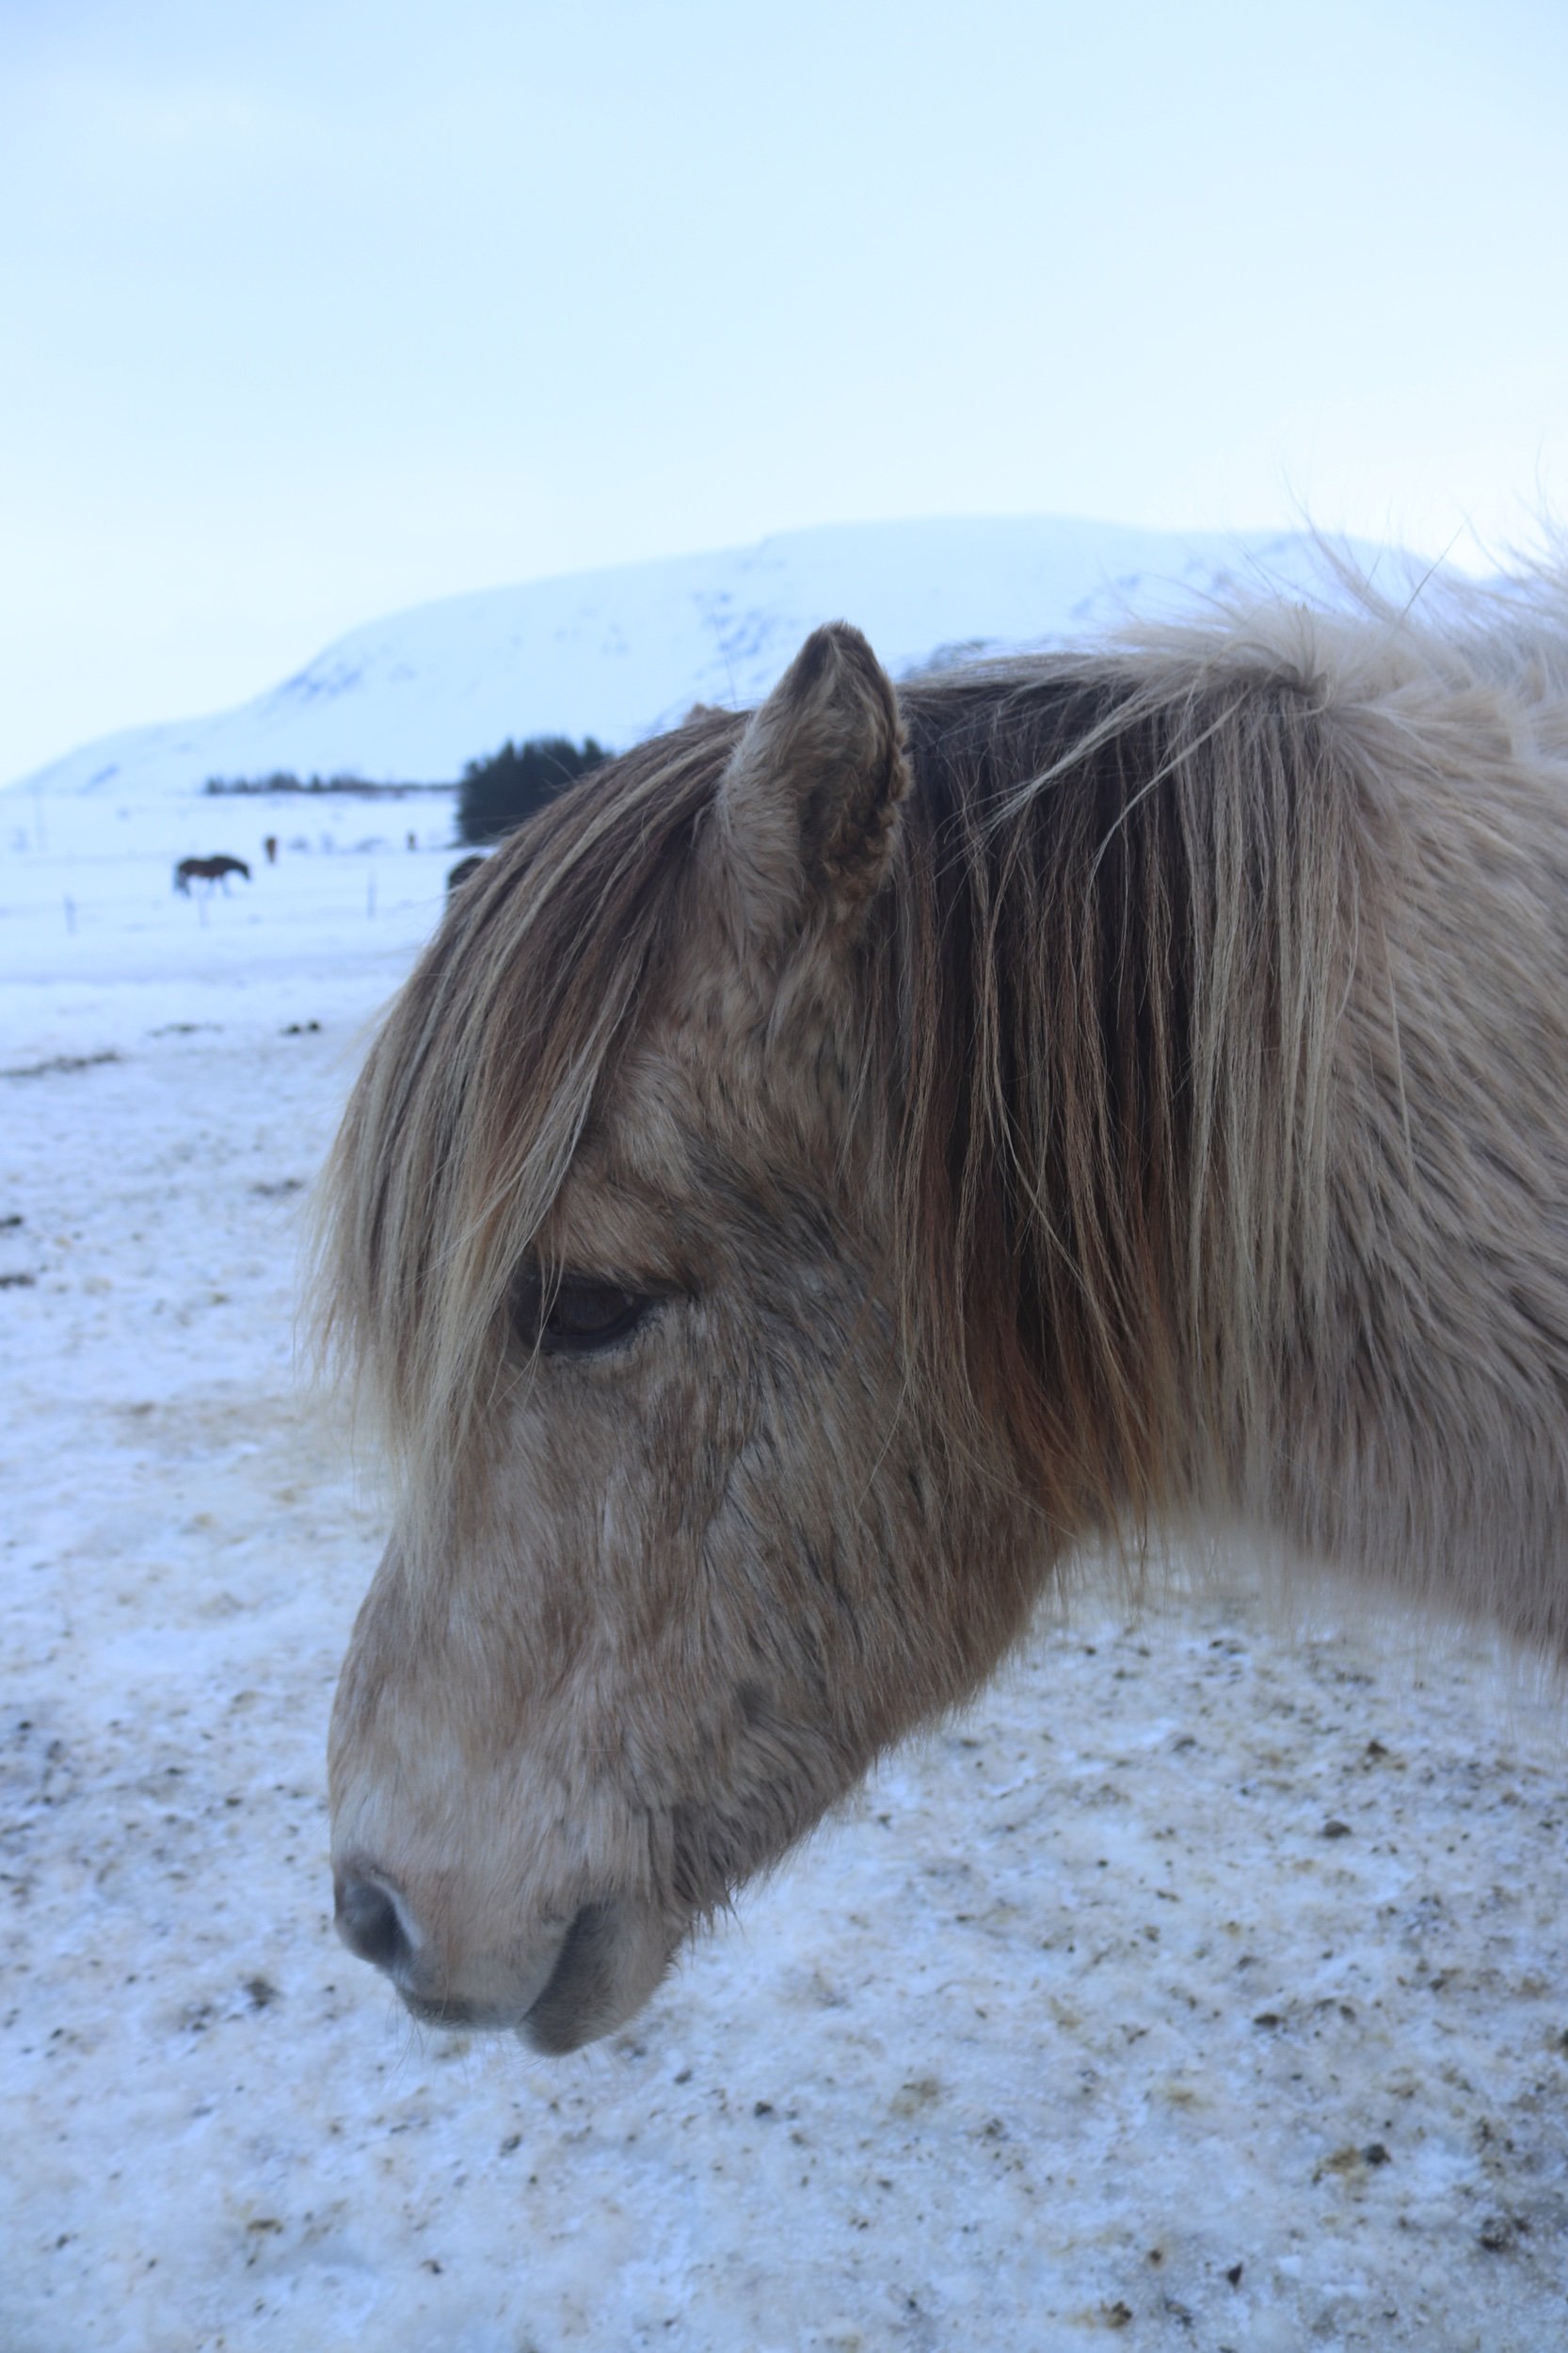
(494, 796)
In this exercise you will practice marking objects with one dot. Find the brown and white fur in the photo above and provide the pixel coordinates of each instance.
(1025, 1111)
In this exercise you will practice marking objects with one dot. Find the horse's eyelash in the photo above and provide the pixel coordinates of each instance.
(532, 1282)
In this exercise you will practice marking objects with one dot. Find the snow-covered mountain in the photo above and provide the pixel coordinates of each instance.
(619, 653)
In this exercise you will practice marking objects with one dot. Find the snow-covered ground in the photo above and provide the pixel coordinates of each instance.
(1209, 1983)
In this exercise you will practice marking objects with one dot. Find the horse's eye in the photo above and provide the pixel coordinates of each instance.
(577, 1314)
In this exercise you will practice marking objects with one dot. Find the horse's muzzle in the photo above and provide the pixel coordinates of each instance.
(586, 1978)
(376, 1921)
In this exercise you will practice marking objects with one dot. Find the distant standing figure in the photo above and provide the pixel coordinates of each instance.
(270, 846)
(413, 842)
(208, 869)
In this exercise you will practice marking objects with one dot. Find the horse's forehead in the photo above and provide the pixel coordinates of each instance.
(654, 1122)
(696, 1059)
(690, 1085)
(642, 1152)
(707, 1104)
(677, 1121)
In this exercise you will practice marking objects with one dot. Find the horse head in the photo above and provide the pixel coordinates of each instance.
(676, 1556)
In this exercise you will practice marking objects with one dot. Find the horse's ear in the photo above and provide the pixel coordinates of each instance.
(808, 808)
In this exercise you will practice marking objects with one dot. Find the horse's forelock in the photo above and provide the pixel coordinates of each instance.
(464, 1122)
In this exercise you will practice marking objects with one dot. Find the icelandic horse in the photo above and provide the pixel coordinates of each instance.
(836, 1164)
(208, 869)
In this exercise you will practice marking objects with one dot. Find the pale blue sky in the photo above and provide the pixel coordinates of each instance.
(311, 311)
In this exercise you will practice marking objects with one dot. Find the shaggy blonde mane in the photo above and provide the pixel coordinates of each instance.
(470, 1107)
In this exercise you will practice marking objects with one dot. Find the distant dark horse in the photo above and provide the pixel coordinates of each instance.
(208, 869)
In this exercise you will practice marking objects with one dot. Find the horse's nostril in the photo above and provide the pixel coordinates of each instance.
(369, 1925)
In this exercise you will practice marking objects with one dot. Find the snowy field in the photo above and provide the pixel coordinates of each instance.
(1206, 1987)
